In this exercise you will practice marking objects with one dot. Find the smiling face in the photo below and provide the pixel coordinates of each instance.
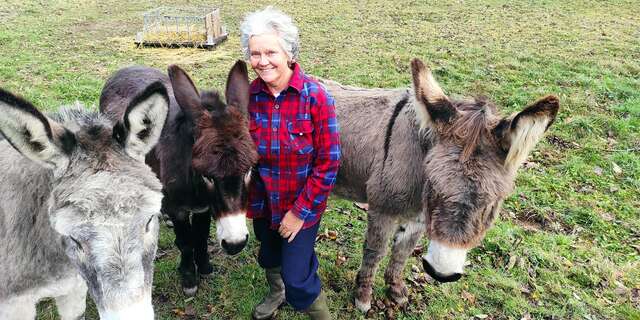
(270, 61)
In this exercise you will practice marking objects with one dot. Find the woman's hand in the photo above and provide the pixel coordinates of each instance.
(290, 226)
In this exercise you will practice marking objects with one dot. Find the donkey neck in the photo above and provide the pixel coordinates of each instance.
(25, 230)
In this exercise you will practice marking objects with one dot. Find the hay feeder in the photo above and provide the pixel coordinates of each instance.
(182, 27)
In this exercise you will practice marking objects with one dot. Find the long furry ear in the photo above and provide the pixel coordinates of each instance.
(237, 91)
(185, 92)
(142, 124)
(33, 134)
(436, 106)
(526, 129)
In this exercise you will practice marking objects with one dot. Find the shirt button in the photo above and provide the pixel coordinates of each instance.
(277, 106)
(300, 133)
(275, 129)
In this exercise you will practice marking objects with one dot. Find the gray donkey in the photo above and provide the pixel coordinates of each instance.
(79, 208)
(428, 163)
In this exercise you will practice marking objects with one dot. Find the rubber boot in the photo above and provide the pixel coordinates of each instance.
(274, 299)
(319, 310)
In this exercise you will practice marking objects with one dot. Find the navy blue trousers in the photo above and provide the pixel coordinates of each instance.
(298, 262)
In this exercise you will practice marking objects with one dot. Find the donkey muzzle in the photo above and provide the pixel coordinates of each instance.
(439, 276)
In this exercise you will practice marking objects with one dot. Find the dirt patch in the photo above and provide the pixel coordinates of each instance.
(561, 143)
(533, 220)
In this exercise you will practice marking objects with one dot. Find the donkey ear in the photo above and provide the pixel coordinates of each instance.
(237, 91)
(33, 134)
(140, 128)
(526, 129)
(429, 94)
(185, 92)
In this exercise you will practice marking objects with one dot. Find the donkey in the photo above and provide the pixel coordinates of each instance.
(428, 163)
(79, 208)
(203, 156)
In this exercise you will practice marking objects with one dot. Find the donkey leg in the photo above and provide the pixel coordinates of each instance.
(406, 237)
(379, 229)
(200, 226)
(71, 305)
(187, 267)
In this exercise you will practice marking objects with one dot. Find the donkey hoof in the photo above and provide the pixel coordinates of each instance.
(190, 292)
(364, 307)
(399, 295)
(399, 300)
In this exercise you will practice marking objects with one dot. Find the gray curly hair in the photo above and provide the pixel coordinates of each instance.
(270, 20)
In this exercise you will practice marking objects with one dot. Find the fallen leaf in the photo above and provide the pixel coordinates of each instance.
(606, 216)
(178, 312)
(512, 262)
(469, 297)
(616, 169)
(332, 235)
(340, 259)
(597, 171)
(481, 316)
(362, 206)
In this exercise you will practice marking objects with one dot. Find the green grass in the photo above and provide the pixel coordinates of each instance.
(567, 245)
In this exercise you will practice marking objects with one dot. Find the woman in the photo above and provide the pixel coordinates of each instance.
(294, 127)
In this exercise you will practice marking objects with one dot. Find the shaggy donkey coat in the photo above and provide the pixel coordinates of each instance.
(425, 162)
(203, 156)
(79, 208)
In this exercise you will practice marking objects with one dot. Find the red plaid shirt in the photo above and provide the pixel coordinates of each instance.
(298, 144)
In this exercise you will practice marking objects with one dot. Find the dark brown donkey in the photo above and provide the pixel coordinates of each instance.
(426, 162)
(202, 158)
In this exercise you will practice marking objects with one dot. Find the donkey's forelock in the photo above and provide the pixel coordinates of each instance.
(212, 101)
(473, 126)
(224, 147)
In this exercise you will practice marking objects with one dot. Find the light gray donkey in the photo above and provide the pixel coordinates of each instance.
(428, 163)
(78, 208)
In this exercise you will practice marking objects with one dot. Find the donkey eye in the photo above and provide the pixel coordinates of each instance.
(146, 228)
(76, 242)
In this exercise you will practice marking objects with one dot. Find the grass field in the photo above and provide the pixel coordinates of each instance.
(567, 243)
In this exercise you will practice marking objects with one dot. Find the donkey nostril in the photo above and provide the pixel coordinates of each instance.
(437, 275)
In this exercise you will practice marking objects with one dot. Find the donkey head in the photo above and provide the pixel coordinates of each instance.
(470, 167)
(223, 152)
(104, 201)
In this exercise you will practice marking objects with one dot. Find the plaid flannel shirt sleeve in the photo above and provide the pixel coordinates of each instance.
(326, 141)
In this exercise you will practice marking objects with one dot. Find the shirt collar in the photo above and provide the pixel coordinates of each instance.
(296, 82)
